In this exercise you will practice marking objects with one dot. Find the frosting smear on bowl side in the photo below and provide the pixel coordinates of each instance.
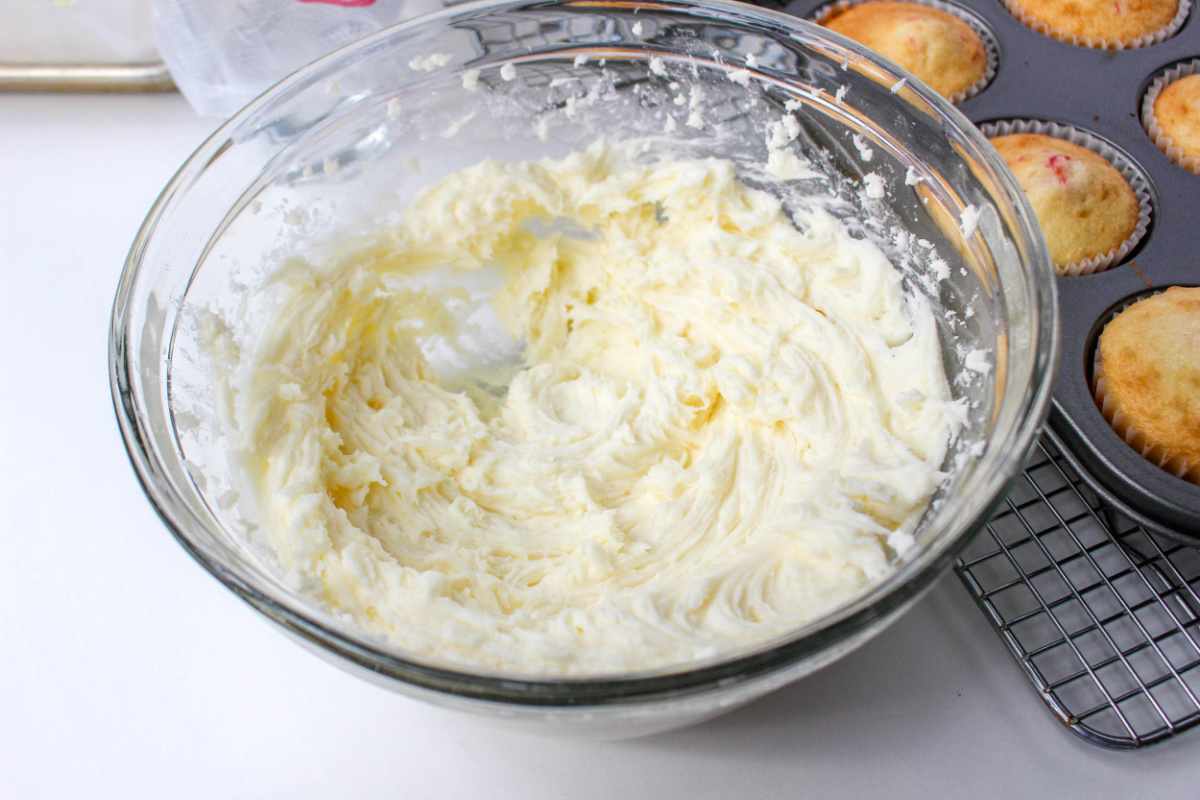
(721, 422)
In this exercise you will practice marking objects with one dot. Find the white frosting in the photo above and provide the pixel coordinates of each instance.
(863, 148)
(430, 62)
(977, 361)
(969, 219)
(740, 76)
(722, 424)
(874, 186)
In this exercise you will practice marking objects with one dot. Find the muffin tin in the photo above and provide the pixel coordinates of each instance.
(1100, 93)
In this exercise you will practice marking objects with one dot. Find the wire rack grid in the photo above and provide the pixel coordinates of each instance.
(1103, 616)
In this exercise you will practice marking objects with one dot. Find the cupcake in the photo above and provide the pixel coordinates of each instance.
(1177, 113)
(1085, 206)
(1110, 24)
(1147, 379)
(936, 46)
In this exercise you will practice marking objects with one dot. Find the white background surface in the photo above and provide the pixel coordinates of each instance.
(127, 672)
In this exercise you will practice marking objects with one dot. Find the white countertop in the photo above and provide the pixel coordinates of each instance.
(127, 672)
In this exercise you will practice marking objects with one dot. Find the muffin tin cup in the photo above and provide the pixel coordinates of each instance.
(1133, 176)
(1145, 40)
(1150, 121)
(991, 47)
(1155, 454)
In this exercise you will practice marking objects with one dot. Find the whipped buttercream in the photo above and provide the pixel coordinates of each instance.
(722, 422)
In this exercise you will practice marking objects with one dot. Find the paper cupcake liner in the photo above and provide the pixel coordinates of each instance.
(1110, 410)
(991, 48)
(1150, 122)
(1137, 181)
(1145, 40)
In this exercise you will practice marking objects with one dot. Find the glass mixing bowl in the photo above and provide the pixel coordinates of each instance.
(337, 148)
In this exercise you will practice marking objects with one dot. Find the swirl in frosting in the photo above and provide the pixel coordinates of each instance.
(720, 421)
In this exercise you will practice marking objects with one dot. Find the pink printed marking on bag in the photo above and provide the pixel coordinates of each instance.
(344, 3)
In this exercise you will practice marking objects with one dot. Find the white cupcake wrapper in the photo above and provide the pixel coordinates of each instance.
(1150, 121)
(1145, 40)
(991, 48)
(1155, 454)
(1137, 182)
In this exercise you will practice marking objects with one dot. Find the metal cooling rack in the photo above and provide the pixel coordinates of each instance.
(1103, 616)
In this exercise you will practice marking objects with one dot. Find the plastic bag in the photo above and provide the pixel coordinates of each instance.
(224, 53)
(76, 32)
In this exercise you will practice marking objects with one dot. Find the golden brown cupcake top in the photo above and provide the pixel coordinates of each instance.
(1106, 20)
(1085, 206)
(1150, 356)
(937, 47)
(1177, 109)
